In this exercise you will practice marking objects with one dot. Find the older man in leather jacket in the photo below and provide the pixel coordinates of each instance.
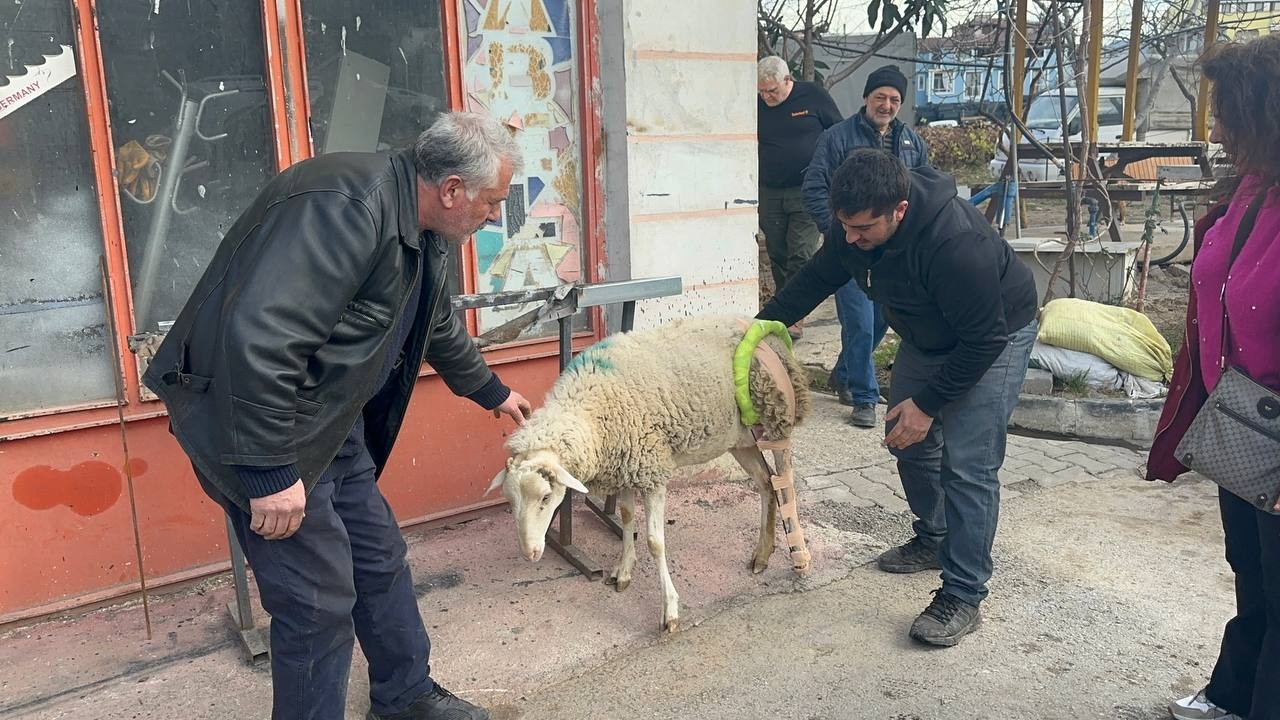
(287, 375)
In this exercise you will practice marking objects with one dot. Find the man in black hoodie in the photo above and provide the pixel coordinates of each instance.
(965, 308)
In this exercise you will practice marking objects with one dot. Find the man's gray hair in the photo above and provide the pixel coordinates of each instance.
(470, 145)
(773, 68)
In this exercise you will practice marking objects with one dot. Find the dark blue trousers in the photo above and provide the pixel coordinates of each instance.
(951, 477)
(1245, 679)
(343, 576)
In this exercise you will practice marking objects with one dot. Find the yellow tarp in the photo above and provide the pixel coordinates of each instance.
(1123, 337)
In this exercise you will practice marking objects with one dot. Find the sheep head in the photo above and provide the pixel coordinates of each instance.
(534, 484)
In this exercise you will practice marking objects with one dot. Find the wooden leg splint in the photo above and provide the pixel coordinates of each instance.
(781, 473)
(783, 480)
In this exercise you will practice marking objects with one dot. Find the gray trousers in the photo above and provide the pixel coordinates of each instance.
(950, 477)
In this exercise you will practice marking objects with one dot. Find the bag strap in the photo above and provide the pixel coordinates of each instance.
(1242, 235)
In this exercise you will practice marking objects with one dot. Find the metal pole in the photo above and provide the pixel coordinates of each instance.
(1201, 128)
(1131, 73)
(255, 644)
(144, 283)
(117, 374)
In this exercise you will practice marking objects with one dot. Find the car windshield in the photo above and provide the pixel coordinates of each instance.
(1044, 113)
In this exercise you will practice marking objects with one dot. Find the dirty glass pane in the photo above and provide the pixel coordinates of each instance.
(375, 72)
(189, 122)
(52, 318)
(375, 77)
(520, 63)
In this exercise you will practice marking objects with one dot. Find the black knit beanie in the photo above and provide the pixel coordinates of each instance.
(887, 76)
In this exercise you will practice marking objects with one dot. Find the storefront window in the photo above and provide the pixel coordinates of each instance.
(192, 139)
(520, 62)
(375, 77)
(375, 72)
(53, 339)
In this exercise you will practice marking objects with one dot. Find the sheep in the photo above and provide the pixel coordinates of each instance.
(626, 413)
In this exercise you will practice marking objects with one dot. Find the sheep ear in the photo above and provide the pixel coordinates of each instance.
(498, 480)
(569, 481)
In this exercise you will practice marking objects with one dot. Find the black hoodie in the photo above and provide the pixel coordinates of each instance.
(948, 284)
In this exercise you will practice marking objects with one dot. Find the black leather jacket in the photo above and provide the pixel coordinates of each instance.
(280, 343)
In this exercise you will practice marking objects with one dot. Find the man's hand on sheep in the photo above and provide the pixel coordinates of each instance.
(911, 424)
(515, 407)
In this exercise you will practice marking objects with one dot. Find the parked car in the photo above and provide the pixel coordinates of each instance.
(1044, 120)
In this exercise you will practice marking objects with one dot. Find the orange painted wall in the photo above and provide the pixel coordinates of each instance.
(66, 535)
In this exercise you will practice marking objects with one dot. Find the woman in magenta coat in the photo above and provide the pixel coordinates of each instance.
(1246, 102)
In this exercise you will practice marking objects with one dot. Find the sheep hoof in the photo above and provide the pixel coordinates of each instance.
(759, 565)
(621, 585)
(672, 626)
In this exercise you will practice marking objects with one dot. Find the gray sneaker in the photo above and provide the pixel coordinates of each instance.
(1199, 707)
(946, 621)
(911, 557)
(863, 415)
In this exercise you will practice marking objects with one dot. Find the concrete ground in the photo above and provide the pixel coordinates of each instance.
(1109, 599)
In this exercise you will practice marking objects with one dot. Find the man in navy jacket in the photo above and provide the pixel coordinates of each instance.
(861, 321)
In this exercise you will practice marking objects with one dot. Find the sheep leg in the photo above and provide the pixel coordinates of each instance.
(753, 462)
(620, 578)
(655, 505)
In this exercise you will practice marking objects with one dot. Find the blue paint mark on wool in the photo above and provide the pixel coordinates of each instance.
(593, 358)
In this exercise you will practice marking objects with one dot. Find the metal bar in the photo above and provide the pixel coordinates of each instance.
(485, 300)
(592, 295)
(608, 293)
(575, 557)
(145, 283)
(1131, 72)
(117, 374)
(605, 512)
(1200, 129)
(244, 613)
(256, 645)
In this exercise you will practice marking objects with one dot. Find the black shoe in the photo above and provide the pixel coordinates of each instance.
(910, 557)
(439, 704)
(863, 415)
(946, 621)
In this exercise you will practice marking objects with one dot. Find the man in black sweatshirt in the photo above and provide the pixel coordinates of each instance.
(965, 307)
(790, 117)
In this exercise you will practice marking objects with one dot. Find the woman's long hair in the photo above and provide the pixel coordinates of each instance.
(1246, 103)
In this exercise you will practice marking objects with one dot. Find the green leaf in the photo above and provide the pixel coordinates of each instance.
(820, 64)
(873, 12)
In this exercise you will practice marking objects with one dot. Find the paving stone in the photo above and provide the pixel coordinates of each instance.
(882, 496)
(1013, 463)
(1059, 449)
(1072, 474)
(1006, 495)
(880, 473)
(839, 494)
(1088, 463)
(1044, 462)
(819, 482)
(1009, 477)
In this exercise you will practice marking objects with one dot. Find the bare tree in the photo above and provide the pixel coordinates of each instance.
(792, 29)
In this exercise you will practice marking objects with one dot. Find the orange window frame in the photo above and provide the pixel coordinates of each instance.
(284, 51)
